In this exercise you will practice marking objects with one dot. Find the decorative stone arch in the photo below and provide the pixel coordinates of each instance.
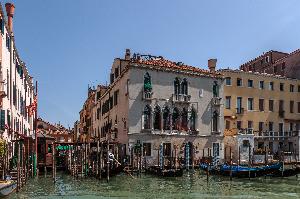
(177, 86)
(157, 119)
(176, 118)
(146, 117)
(166, 116)
(184, 87)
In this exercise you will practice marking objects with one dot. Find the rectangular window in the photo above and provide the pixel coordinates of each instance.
(260, 126)
(250, 83)
(239, 125)
(291, 106)
(250, 104)
(239, 107)
(271, 105)
(298, 107)
(271, 126)
(167, 149)
(228, 81)
(239, 82)
(250, 124)
(281, 127)
(261, 104)
(227, 124)
(112, 78)
(291, 88)
(261, 84)
(281, 86)
(271, 86)
(281, 105)
(228, 102)
(116, 73)
(147, 149)
(116, 97)
(298, 88)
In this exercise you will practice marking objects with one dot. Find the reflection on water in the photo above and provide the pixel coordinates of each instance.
(146, 186)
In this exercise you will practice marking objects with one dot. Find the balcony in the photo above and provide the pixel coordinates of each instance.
(216, 101)
(281, 113)
(274, 134)
(181, 98)
(147, 95)
(240, 110)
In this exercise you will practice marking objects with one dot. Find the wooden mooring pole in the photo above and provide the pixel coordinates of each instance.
(230, 164)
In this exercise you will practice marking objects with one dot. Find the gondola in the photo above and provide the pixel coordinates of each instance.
(7, 187)
(243, 171)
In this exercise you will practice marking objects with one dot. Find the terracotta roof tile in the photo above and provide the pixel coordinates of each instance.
(161, 62)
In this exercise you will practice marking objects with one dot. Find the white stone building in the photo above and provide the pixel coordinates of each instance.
(157, 103)
(17, 90)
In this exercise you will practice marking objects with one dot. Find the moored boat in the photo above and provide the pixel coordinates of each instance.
(246, 171)
(7, 187)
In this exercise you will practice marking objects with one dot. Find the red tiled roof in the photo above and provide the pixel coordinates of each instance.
(161, 62)
(288, 55)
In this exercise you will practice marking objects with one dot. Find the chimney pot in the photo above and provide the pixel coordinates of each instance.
(10, 11)
(212, 64)
(127, 54)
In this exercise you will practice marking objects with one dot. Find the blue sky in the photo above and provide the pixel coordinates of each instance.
(68, 44)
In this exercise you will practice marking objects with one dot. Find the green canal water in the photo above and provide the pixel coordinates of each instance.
(191, 185)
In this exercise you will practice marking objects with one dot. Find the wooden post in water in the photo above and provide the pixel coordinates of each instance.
(101, 160)
(97, 159)
(107, 157)
(230, 164)
(249, 162)
(18, 166)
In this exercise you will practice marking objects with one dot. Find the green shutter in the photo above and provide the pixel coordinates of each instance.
(2, 120)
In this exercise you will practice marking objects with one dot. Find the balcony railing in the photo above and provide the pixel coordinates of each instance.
(147, 95)
(240, 110)
(275, 134)
(216, 101)
(181, 98)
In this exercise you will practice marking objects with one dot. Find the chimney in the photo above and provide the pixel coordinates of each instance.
(212, 64)
(10, 10)
(127, 54)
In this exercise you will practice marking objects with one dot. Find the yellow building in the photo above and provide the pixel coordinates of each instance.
(265, 105)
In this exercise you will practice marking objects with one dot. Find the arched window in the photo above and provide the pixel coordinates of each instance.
(184, 87)
(147, 83)
(166, 118)
(216, 89)
(147, 117)
(157, 118)
(215, 121)
(175, 119)
(176, 86)
(184, 119)
(193, 120)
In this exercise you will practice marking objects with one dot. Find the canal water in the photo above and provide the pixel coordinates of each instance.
(191, 185)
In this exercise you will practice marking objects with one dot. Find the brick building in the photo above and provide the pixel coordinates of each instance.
(277, 63)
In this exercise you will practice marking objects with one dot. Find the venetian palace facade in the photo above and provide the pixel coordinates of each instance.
(161, 105)
(17, 90)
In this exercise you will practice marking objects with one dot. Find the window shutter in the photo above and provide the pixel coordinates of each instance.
(2, 120)
(2, 26)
